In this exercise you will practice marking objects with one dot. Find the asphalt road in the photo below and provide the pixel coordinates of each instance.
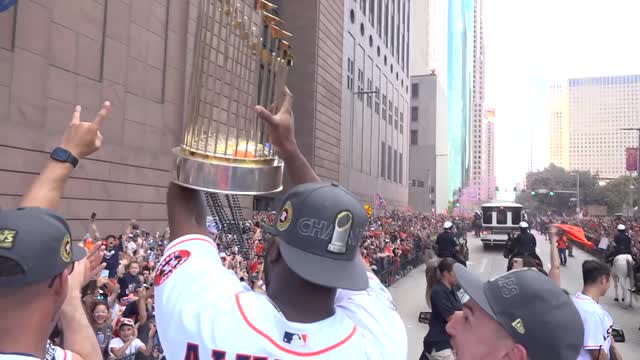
(409, 295)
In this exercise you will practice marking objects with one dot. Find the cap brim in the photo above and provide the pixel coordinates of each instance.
(78, 251)
(339, 274)
(474, 287)
(269, 229)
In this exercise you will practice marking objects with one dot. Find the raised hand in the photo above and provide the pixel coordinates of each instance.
(83, 138)
(281, 124)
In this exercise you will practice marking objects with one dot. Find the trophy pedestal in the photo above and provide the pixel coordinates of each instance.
(227, 175)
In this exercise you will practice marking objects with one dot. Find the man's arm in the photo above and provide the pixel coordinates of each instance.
(81, 139)
(614, 349)
(185, 207)
(554, 272)
(281, 132)
(598, 354)
(79, 336)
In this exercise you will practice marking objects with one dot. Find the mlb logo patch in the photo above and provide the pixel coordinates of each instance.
(294, 339)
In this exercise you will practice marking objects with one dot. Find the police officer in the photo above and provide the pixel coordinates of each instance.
(446, 244)
(621, 243)
(524, 243)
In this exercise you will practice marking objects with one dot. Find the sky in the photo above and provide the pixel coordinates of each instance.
(533, 43)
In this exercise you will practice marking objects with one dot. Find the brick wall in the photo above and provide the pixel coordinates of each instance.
(58, 53)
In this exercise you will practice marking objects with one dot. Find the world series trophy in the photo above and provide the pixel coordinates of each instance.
(241, 59)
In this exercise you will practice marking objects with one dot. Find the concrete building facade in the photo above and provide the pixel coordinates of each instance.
(138, 54)
(375, 100)
(585, 117)
(558, 113)
(479, 175)
(427, 170)
(56, 54)
(490, 115)
(429, 167)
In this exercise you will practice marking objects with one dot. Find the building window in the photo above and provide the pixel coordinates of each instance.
(395, 165)
(369, 96)
(389, 162)
(414, 113)
(384, 107)
(401, 123)
(377, 101)
(383, 160)
(391, 113)
(414, 137)
(349, 74)
(433, 189)
(360, 83)
(400, 169)
(420, 183)
(413, 182)
(379, 16)
(371, 8)
(415, 90)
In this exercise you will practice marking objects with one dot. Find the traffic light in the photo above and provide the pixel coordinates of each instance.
(551, 193)
(533, 193)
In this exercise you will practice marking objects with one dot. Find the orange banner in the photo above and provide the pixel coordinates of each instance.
(576, 234)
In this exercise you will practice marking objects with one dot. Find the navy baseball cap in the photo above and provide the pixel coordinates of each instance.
(535, 312)
(39, 241)
(320, 226)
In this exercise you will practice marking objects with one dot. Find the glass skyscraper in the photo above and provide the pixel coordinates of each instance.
(459, 82)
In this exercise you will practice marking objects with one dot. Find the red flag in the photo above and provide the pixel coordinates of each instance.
(576, 234)
(631, 159)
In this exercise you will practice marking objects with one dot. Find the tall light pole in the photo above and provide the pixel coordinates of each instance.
(638, 151)
(637, 161)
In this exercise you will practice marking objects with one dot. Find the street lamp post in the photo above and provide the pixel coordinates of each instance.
(637, 162)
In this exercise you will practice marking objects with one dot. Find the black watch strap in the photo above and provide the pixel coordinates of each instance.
(63, 155)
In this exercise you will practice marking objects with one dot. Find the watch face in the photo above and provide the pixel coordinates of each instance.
(60, 154)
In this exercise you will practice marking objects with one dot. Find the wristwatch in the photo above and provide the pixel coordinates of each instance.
(63, 155)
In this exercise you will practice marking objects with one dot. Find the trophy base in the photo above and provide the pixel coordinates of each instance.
(229, 177)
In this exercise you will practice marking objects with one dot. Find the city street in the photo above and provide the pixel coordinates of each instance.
(409, 295)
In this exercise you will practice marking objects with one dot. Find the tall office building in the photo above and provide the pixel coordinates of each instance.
(585, 120)
(350, 81)
(558, 116)
(490, 116)
(428, 164)
(427, 168)
(138, 54)
(479, 150)
(459, 83)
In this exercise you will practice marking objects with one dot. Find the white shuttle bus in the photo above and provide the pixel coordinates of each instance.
(499, 219)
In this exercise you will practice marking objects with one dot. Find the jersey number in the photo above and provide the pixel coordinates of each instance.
(193, 353)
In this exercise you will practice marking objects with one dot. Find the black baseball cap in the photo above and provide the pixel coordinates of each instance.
(39, 241)
(531, 308)
(320, 226)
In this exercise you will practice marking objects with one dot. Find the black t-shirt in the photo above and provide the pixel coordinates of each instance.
(446, 244)
(128, 284)
(622, 242)
(112, 259)
(444, 302)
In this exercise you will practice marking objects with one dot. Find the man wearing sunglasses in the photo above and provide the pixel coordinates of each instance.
(41, 270)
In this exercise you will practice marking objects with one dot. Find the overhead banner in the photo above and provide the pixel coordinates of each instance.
(631, 159)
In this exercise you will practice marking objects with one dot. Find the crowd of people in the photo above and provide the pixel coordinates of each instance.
(119, 303)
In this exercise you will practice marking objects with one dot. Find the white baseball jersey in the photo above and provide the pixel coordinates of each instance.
(204, 312)
(52, 353)
(597, 325)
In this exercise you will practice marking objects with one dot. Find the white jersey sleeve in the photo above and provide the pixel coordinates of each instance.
(374, 312)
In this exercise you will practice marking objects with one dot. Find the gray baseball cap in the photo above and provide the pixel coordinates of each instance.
(320, 226)
(531, 308)
(39, 241)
